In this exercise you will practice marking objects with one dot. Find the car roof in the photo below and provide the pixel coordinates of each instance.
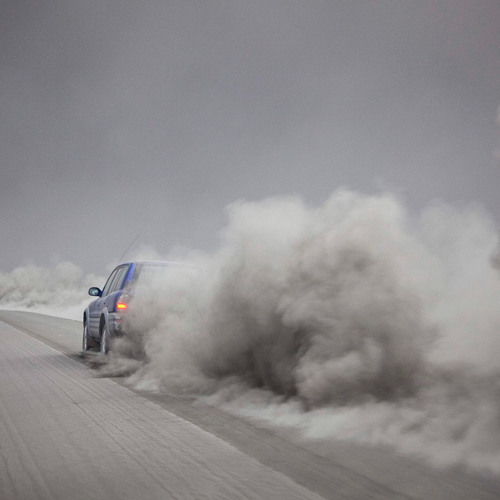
(151, 263)
(158, 263)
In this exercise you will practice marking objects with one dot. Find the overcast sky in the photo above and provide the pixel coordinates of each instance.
(121, 117)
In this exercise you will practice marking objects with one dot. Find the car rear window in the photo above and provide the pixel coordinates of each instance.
(157, 275)
(149, 272)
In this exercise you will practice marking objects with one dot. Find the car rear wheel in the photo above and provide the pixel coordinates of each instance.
(87, 341)
(105, 340)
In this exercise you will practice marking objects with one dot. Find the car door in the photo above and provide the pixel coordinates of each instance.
(96, 307)
(109, 299)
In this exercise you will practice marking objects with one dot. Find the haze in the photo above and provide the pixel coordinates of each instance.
(124, 118)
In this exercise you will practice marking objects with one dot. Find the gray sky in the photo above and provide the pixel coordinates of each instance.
(121, 117)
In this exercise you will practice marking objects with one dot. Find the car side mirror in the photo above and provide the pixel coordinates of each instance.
(95, 292)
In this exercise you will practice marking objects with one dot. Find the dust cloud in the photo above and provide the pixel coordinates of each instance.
(351, 321)
(59, 291)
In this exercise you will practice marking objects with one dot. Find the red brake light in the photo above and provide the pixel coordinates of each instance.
(121, 305)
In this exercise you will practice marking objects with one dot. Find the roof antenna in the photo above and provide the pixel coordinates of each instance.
(128, 248)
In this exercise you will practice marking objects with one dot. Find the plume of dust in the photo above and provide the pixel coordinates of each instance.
(59, 291)
(348, 320)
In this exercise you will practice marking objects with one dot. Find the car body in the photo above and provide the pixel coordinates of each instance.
(103, 318)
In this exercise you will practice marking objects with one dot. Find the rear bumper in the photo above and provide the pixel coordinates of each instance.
(115, 325)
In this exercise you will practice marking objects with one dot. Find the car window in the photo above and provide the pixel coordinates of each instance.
(107, 286)
(149, 272)
(118, 279)
(160, 275)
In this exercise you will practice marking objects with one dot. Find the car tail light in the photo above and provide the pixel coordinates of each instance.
(122, 302)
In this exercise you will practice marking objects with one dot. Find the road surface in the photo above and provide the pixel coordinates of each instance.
(65, 434)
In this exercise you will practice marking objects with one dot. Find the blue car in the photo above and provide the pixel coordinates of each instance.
(103, 318)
